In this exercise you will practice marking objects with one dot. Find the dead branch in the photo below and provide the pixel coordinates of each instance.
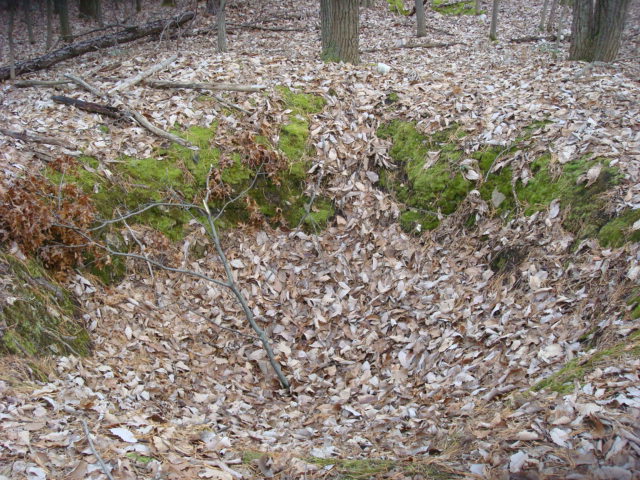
(94, 451)
(83, 84)
(413, 45)
(40, 83)
(32, 138)
(106, 41)
(534, 38)
(215, 87)
(255, 26)
(142, 75)
(90, 107)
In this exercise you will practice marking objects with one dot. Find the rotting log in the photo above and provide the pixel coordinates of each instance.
(105, 41)
(216, 87)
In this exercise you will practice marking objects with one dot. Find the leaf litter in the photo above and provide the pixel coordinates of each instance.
(403, 348)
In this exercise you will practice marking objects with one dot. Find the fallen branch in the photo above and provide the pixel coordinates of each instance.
(413, 45)
(106, 471)
(32, 138)
(142, 75)
(254, 26)
(80, 48)
(83, 84)
(215, 87)
(90, 107)
(40, 83)
(534, 38)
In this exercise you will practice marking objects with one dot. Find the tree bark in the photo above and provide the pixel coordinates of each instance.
(222, 26)
(596, 31)
(49, 24)
(12, 53)
(420, 19)
(478, 2)
(28, 20)
(80, 48)
(62, 7)
(340, 26)
(543, 15)
(552, 15)
(494, 20)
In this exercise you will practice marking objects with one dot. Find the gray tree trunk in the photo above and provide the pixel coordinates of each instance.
(543, 15)
(478, 2)
(552, 15)
(27, 19)
(596, 31)
(65, 27)
(340, 22)
(420, 19)
(49, 24)
(494, 20)
(222, 27)
(12, 53)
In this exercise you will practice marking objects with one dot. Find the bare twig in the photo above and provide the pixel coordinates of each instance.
(106, 470)
(79, 81)
(231, 284)
(205, 86)
(159, 132)
(29, 137)
(242, 334)
(142, 75)
(40, 83)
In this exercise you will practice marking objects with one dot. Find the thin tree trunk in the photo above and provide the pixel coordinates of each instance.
(49, 24)
(12, 53)
(478, 5)
(138, 6)
(420, 19)
(222, 27)
(65, 26)
(494, 20)
(543, 15)
(28, 21)
(552, 15)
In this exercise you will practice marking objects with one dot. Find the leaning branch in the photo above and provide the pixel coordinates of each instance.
(144, 74)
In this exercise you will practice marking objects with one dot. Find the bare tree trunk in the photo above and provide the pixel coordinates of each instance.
(340, 24)
(12, 53)
(596, 31)
(552, 15)
(65, 27)
(494, 20)
(420, 19)
(222, 27)
(366, 3)
(138, 6)
(27, 19)
(478, 2)
(213, 6)
(49, 23)
(543, 15)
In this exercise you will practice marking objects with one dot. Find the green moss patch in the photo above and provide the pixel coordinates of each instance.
(38, 315)
(446, 7)
(430, 181)
(397, 6)
(367, 468)
(177, 175)
(427, 191)
(577, 369)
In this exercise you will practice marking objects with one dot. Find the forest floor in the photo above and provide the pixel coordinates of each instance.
(409, 356)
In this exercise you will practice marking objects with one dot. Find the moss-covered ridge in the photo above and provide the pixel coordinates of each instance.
(577, 369)
(445, 7)
(433, 179)
(38, 315)
(273, 192)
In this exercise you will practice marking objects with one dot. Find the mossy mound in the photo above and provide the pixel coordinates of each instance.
(178, 175)
(446, 7)
(397, 6)
(427, 191)
(37, 315)
(430, 189)
(563, 381)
